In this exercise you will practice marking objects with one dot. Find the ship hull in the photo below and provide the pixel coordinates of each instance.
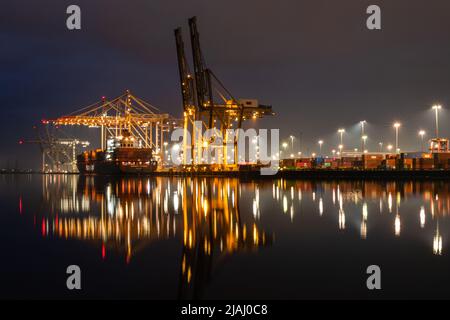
(110, 167)
(122, 161)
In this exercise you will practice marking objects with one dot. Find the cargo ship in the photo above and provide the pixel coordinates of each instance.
(122, 156)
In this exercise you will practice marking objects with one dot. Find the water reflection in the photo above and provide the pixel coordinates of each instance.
(207, 212)
(432, 198)
(125, 214)
(215, 218)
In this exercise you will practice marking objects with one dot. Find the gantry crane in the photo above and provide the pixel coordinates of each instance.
(126, 112)
(58, 153)
(206, 99)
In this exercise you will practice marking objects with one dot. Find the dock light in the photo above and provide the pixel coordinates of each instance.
(364, 138)
(396, 126)
(341, 133)
(436, 109)
(292, 141)
(362, 124)
(422, 134)
(320, 142)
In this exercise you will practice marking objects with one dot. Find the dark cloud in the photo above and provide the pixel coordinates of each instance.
(314, 61)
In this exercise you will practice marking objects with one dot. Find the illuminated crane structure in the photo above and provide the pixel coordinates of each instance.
(58, 153)
(207, 104)
(206, 100)
(125, 113)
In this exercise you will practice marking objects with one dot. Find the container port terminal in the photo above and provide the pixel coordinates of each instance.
(135, 136)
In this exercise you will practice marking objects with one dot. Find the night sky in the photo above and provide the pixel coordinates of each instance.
(314, 61)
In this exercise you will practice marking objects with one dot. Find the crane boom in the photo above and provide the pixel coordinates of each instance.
(202, 74)
(186, 80)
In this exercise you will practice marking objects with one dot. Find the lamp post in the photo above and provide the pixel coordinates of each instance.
(436, 109)
(292, 143)
(396, 126)
(320, 142)
(421, 134)
(362, 123)
(381, 146)
(341, 133)
(364, 138)
(284, 145)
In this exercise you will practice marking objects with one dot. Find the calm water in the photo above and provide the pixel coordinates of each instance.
(170, 238)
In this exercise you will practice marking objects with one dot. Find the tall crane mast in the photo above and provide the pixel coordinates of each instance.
(186, 79)
(202, 73)
(187, 93)
(215, 107)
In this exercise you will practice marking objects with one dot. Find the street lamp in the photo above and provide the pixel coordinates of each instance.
(362, 123)
(389, 147)
(436, 109)
(284, 145)
(422, 134)
(396, 126)
(364, 138)
(341, 132)
(292, 142)
(381, 146)
(320, 142)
